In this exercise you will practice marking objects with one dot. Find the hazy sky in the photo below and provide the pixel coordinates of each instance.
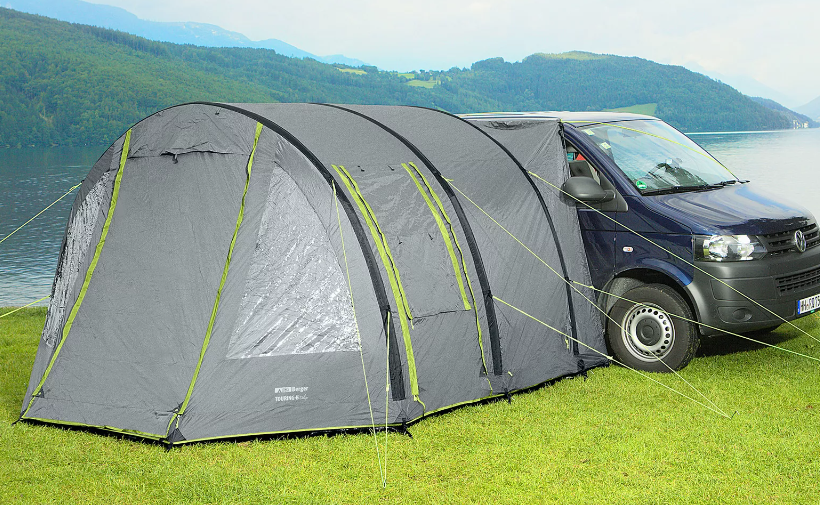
(776, 43)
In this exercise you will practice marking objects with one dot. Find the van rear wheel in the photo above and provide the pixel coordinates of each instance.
(644, 334)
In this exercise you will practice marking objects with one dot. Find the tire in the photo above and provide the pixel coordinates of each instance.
(645, 337)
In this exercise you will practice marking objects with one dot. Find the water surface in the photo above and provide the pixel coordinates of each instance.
(786, 162)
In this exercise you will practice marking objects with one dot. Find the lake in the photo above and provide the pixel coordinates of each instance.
(786, 162)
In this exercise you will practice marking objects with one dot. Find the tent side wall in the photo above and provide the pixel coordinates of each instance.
(503, 208)
(82, 233)
(540, 150)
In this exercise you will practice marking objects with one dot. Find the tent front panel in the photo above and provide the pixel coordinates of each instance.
(128, 359)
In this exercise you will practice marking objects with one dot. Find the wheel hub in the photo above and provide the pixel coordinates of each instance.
(648, 332)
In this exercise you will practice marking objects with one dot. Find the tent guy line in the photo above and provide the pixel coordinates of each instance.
(39, 213)
(382, 471)
(283, 332)
(592, 303)
(801, 330)
(716, 410)
(24, 306)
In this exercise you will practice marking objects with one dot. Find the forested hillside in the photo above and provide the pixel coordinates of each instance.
(67, 84)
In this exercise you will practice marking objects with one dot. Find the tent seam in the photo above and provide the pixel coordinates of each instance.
(181, 410)
(559, 250)
(478, 262)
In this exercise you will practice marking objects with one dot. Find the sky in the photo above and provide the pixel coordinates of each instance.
(775, 43)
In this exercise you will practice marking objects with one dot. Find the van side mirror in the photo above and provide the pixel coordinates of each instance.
(587, 190)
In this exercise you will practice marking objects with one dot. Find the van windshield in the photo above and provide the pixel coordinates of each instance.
(657, 158)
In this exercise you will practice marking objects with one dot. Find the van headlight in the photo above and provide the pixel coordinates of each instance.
(728, 248)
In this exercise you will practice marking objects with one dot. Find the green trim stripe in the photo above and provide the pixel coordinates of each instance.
(208, 333)
(70, 321)
(463, 263)
(384, 241)
(122, 431)
(444, 234)
(392, 272)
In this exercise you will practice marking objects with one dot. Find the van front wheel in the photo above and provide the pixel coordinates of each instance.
(643, 332)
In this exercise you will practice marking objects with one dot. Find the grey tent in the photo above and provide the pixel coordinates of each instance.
(248, 269)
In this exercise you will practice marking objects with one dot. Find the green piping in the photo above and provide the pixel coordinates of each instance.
(463, 264)
(444, 234)
(384, 241)
(392, 272)
(239, 219)
(70, 321)
(281, 432)
(123, 431)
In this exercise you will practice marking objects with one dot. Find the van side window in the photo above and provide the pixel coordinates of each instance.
(584, 169)
(579, 166)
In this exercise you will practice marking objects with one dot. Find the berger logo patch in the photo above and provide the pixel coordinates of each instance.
(290, 397)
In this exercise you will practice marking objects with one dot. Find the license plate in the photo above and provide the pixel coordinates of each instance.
(809, 304)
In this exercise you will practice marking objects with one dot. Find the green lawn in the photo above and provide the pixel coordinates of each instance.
(614, 438)
(423, 84)
(356, 71)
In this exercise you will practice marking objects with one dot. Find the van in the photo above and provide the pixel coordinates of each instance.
(678, 247)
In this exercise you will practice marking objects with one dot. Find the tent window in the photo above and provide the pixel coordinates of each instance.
(296, 298)
(78, 242)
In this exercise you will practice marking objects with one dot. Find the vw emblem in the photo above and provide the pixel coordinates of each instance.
(799, 241)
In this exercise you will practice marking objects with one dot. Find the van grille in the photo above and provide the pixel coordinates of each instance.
(796, 282)
(783, 242)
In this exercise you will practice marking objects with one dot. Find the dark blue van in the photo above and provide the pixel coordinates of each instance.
(686, 238)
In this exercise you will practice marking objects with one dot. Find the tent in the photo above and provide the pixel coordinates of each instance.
(246, 269)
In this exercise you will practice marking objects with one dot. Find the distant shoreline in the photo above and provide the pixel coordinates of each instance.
(758, 131)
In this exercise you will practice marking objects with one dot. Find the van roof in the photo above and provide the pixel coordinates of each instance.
(577, 118)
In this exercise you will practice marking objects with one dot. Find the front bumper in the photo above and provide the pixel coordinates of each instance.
(775, 283)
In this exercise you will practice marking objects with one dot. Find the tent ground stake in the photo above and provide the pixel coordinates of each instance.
(404, 428)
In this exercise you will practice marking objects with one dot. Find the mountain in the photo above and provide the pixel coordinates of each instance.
(588, 82)
(71, 84)
(791, 115)
(199, 34)
(811, 109)
(749, 86)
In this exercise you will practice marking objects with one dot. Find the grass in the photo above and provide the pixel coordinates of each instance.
(356, 71)
(613, 438)
(423, 84)
(643, 108)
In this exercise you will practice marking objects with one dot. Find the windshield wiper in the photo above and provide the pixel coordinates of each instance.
(682, 189)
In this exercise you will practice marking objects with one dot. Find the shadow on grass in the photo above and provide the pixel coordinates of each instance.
(722, 345)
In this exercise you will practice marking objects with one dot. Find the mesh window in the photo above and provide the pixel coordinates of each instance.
(77, 247)
(296, 299)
